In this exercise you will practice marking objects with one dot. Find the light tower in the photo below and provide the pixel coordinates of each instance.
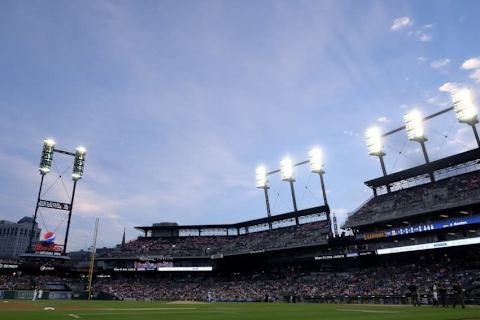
(416, 132)
(77, 174)
(262, 183)
(44, 168)
(286, 172)
(374, 140)
(316, 166)
(465, 109)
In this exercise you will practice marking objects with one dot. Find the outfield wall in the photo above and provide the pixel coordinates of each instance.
(28, 295)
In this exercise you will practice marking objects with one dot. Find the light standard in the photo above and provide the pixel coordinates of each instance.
(286, 172)
(416, 132)
(374, 141)
(465, 109)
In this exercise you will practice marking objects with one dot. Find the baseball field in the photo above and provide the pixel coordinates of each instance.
(95, 310)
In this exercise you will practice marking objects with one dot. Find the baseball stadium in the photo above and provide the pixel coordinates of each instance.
(407, 247)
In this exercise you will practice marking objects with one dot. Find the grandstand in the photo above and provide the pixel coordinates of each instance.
(416, 231)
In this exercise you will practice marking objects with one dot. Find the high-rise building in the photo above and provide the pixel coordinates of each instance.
(14, 237)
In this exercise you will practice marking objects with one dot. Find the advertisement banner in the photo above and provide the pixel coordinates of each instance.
(24, 295)
(448, 223)
(54, 205)
(59, 295)
(431, 245)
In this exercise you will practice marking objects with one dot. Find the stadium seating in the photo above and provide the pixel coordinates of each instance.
(294, 236)
(443, 194)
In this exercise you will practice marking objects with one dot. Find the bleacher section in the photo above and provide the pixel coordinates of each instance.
(314, 233)
(453, 192)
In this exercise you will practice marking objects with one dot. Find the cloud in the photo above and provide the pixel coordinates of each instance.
(475, 75)
(472, 63)
(449, 87)
(425, 37)
(401, 23)
(424, 34)
(383, 119)
(421, 59)
(440, 63)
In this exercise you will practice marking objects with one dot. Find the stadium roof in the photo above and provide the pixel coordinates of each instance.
(248, 223)
(436, 165)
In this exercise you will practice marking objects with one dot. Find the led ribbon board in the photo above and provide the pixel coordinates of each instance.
(429, 246)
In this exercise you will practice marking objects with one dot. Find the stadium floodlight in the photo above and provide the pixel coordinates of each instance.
(261, 177)
(414, 126)
(47, 156)
(262, 183)
(416, 132)
(286, 170)
(464, 106)
(465, 109)
(316, 160)
(374, 140)
(79, 163)
(316, 166)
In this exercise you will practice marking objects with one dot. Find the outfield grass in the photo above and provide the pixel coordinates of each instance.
(95, 310)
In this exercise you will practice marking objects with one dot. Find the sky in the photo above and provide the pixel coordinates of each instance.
(177, 102)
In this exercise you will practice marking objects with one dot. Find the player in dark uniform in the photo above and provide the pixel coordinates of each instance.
(442, 290)
(459, 295)
(413, 294)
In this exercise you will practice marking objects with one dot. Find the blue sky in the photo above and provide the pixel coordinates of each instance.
(178, 102)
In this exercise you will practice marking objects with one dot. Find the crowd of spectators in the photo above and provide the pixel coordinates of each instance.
(433, 196)
(281, 284)
(19, 281)
(287, 237)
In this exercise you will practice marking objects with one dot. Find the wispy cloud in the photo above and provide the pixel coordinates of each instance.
(423, 34)
(473, 64)
(421, 59)
(475, 75)
(440, 63)
(449, 87)
(401, 23)
(383, 119)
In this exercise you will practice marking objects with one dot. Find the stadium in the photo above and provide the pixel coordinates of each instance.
(409, 249)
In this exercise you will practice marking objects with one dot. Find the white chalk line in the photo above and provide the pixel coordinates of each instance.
(74, 316)
(367, 311)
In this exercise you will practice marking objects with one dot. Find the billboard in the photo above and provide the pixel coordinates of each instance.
(448, 223)
(430, 245)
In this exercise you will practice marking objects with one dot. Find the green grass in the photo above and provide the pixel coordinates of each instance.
(105, 310)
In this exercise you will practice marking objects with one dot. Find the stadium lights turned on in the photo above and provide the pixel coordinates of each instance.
(464, 106)
(261, 177)
(414, 126)
(47, 156)
(374, 140)
(286, 170)
(316, 160)
(79, 163)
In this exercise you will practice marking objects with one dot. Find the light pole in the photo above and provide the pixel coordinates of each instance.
(44, 168)
(262, 183)
(416, 132)
(286, 171)
(77, 174)
(316, 166)
(465, 109)
(375, 147)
